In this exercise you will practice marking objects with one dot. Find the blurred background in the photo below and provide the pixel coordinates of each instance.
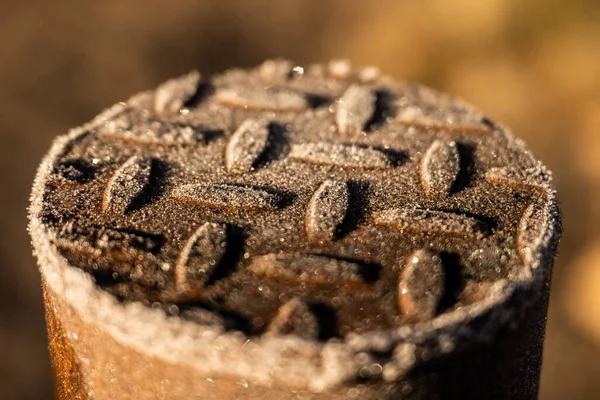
(534, 66)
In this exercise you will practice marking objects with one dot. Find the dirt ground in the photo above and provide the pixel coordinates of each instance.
(534, 67)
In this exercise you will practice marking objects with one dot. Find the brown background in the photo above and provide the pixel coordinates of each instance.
(535, 67)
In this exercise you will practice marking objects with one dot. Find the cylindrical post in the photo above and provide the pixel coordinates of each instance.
(294, 233)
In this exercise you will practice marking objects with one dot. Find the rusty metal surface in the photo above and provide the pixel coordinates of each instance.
(533, 67)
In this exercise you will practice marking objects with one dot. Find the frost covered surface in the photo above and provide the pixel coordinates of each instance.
(294, 317)
(421, 285)
(427, 221)
(533, 179)
(355, 109)
(201, 255)
(151, 132)
(246, 145)
(326, 210)
(307, 268)
(424, 107)
(291, 360)
(225, 196)
(439, 168)
(172, 95)
(126, 184)
(262, 99)
(339, 155)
